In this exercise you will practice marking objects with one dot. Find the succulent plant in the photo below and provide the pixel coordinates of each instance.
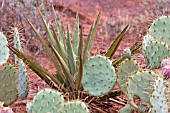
(74, 107)
(167, 92)
(155, 52)
(4, 52)
(46, 100)
(29, 107)
(69, 58)
(22, 72)
(146, 40)
(157, 99)
(99, 75)
(125, 70)
(127, 53)
(8, 84)
(160, 29)
(127, 109)
(140, 84)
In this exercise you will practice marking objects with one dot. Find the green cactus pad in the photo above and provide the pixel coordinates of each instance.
(146, 39)
(17, 43)
(142, 108)
(22, 73)
(124, 71)
(8, 84)
(29, 107)
(47, 100)
(157, 99)
(167, 93)
(4, 51)
(22, 80)
(155, 52)
(160, 29)
(127, 53)
(74, 107)
(127, 109)
(140, 85)
(98, 75)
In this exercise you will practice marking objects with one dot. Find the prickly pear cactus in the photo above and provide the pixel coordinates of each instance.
(127, 109)
(157, 99)
(124, 72)
(98, 75)
(147, 39)
(47, 100)
(155, 52)
(22, 80)
(8, 84)
(140, 85)
(17, 43)
(74, 107)
(127, 53)
(22, 72)
(160, 29)
(29, 107)
(167, 93)
(4, 51)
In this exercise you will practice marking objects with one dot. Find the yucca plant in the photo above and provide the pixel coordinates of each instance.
(68, 56)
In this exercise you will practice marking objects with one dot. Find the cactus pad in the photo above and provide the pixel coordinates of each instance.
(127, 53)
(160, 29)
(29, 107)
(74, 107)
(4, 51)
(124, 71)
(22, 80)
(155, 52)
(8, 84)
(98, 75)
(158, 100)
(47, 100)
(127, 109)
(146, 39)
(140, 85)
(167, 93)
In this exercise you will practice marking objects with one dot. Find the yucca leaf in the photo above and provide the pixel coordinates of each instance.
(60, 32)
(80, 48)
(90, 38)
(36, 67)
(71, 55)
(59, 29)
(79, 75)
(48, 50)
(76, 35)
(48, 31)
(61, 49)
(111, 51)
(65, 68)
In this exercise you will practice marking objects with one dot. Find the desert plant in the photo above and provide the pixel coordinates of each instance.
(68, 58)
(13, 77)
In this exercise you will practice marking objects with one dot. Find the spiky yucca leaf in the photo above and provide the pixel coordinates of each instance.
(91, 37)
(71, 55)
(115, 44)
(76, 35)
